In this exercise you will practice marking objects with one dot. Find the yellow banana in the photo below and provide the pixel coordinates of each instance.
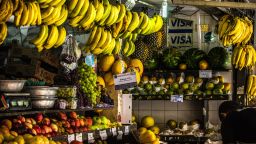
(127, 21)
(18, 13)
(53, 17)
(3, 32)
(116, 15)
(96, 38)
(249, 84)
(241, 63)
(31, 13)
(238, 57)
(40, 45)
(121, 13)
(47, 12)
(72, 4)
(221, 22)
(53, 37)
(96, 4)
(117, 48)
(126, 47)
(92, 35)
(107, 10)
(148, 28)
(103, 38)
(54, 3)
(108, 41)
(97, 51)
(111, 17)
(77, 9)
(42, 33)
(64, 18)
(237, 26)
(84, 8)
(62, 36)
(89, 16)
(144, 22)
(35, 8)
(99, 12)
(39, 16)
(134, 23)
(158, 23)
(117, 28)
(109, 48)
(24, 17)
(126, 34)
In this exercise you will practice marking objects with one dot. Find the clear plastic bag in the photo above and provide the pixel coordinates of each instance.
(68, 58)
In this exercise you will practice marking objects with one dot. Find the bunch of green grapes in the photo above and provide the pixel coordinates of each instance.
(87, 82)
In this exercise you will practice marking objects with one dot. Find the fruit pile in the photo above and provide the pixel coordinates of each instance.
(243, 56)
(50, 37)
(162, 88)
(50, 127)
(234, 30)
(88, 83)
(110, 66)
(149, 131)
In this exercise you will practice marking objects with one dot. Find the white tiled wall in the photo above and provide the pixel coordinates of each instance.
(163, 110)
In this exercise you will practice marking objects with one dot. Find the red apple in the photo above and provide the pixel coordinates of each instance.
(73, 115)
(43, 131)
(89, 121)
(85, 129)
(62, 116)
(65, 124)
(46, 121)
(54, 127)
(21, 118)
(70, 130)
(16, 121)
(72, 123)
(39, 117)
(78, 123)
(38, 129)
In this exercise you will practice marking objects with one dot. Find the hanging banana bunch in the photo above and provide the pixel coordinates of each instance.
(243, 56)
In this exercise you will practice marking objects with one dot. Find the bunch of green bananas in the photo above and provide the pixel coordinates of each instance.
(234, 30)
(51, 3)
(28, 14)
(50, 37)
(54, 15)
(3, 32)
(251, 88)
(243, 56)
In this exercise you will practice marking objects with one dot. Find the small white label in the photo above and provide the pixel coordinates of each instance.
(205, 73)
(120, 135)
(90, 137)
(126, 130)
(114, 131)
(125, 80)
(79, 137)
(71, 138)
(176, 98)
(103, 135)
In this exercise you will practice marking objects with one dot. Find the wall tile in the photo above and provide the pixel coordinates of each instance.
(143, 113)
(144, 105)
(189, 115)
(214, 117)
(170, 115)
(170, 105)
(190, 105)
(213, 105)
(135, 104)
(161, 126)
(159, 116)
(158, 105)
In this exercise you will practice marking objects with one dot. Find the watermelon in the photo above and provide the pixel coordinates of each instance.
(193, 56)
(171, 58)
(218, 58)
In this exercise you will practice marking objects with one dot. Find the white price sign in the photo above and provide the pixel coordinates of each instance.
(125, 80)
(176, 98)
(120, 135)
(79, 137)
(205, 73)
(126, 130)
(71, 138)
(90, 138)
(103, 135)
(114, 131)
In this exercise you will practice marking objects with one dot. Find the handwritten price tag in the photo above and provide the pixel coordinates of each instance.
(79, 137)
(114, 131)
(205, 73)
(126, 130)
(71, 138)
(176, 98)
(103, 135)
(90, 138)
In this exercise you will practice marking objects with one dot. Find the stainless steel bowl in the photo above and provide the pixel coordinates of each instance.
(42, 91)
(11, 85)
(43, 103)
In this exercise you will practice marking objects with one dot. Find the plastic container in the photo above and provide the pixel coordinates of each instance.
(72, 103)
(66, 92)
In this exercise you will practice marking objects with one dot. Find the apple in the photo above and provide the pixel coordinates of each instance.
(21, 118)
(38, 129)
(77, 123)
(82, 123)
(7, 123)
(76, 130)
(70, 130)
(84, 129)
(39, 117)
(65, 124)
(16, 121)
(73, 115)
(72, 123)
(28, 125)
(43, 131)
(62, 116)
(96, 120)
(88, 121)
(54, 127)
(46, 121)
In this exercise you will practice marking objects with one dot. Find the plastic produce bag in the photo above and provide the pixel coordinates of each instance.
(68, 58)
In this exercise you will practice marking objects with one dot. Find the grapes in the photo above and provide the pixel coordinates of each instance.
(87, 82)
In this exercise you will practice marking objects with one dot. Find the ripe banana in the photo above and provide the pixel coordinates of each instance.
(121, 13)
(118, 47)
(107, 11)
(158, 23)
(134, 23)
(77, 9)
(92, 35)
(18, 13)
(52, 38)
(31, 14)
(96, 38)
(117, 28)
(103, 38)
(25, 16)
(89, 16)
(62, 36)
(3, 32)
(63, 18)
(41, 35)
(99, 12)
(72, 4)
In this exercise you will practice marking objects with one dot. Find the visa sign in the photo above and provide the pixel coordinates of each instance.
(180, 32)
